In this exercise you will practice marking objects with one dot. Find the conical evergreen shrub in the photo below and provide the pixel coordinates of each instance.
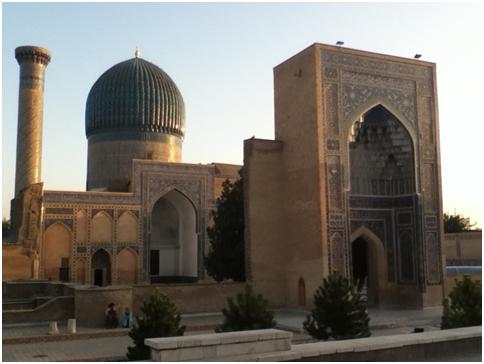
(159, 319)
(250, 311)
(463, 307)
(340, 311)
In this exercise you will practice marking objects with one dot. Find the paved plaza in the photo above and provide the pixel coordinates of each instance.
(113, 345)
(99, 349)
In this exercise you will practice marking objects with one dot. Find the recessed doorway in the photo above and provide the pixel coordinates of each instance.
(101, 268)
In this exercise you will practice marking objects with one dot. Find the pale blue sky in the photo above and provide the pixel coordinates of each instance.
(221, 57)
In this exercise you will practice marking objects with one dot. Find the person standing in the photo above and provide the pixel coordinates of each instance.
(127, 318)
(111, 316)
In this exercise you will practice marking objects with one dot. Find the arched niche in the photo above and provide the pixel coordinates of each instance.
(127, 227)
(101, 268)
(81, 226)
(101, 228)
(127, 263)
(56, 252)
(173, 238)
(381, 155)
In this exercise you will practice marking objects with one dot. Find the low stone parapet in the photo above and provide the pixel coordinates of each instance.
(406, 347)
(221, 346)
(275, 345)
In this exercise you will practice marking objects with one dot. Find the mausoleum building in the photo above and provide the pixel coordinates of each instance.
(349, 185)
(144, 215)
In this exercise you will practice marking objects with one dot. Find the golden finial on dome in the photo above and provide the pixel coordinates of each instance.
(137, 53)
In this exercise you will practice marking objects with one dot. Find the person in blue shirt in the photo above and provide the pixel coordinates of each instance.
(127, 320)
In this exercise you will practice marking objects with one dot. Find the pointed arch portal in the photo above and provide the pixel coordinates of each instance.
(173, 254)
(382, 200)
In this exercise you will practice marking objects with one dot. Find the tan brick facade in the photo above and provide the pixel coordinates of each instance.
(329, 100)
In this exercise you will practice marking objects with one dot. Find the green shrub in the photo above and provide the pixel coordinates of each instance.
(339, 311)
(160, 319)
(249, 312)
(464, 305)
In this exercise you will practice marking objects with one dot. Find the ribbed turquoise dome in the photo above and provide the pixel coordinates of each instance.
(135, 97)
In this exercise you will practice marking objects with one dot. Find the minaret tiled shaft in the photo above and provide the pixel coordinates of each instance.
(32, 61)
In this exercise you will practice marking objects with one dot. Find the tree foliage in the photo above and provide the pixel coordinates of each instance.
(250, 311)
(225, 259)
(464, 304)
(339, 311)
(6, 226)
(159, 319)
(456, 223)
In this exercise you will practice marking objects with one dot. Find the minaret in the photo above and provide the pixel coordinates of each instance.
(32, 61)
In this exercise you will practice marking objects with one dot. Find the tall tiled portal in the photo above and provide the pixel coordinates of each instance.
(355, 161)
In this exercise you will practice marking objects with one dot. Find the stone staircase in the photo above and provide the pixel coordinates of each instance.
(12, 304)
(36, 300)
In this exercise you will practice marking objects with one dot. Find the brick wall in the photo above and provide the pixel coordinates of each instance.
(90, 303)
(190, 298)
(463, 248)
(15, 264)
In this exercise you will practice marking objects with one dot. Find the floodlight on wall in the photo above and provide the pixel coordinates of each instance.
(417, 56)
(339, 43)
